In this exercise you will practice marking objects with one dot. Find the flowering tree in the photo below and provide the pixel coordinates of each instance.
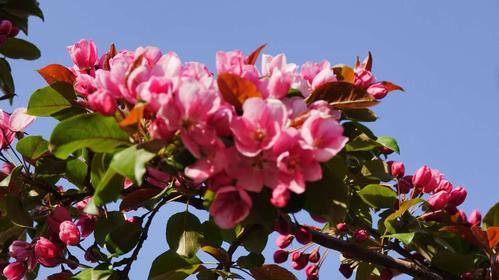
(139, 130)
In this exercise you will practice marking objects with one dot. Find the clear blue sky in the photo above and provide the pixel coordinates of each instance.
(444, 53)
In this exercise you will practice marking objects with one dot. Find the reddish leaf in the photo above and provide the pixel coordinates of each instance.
(493, 236)
(236, 90)
(136, 63)
(343, 95)
(218, 253)
(110, 54)
(366, 64)
(463, 232)
(481, 236)
(135, 115)
(272, 272)
(136, 198)
(57, 73)
(255, 54)
(391, 86)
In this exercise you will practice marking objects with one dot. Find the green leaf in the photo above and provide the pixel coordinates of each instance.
(76, 172)
(361, 143)
(491, 219)
(378, 196)
(389, 142)
(131, 163)
(364, 271)
(18, 48)
(12, 176)
(255, 242)
(183, 234)
(453, 262)
(96, 132)
(51, 99)
(361, 115)
(211, 234)
(172, 266)
(406, 238)
(23, 8)
(272, 272)
(6, 80)
(403, 207)
(250, 261)
(123, 238)
(218, 253)
(109, 188)
(32, 147)
(17, 213)
(93, 274)
(107, 224)
(329, 196)
(376, 170)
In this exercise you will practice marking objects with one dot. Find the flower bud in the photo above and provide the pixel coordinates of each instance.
(14, 271)
(46, 253)
(346, 270)
(475, 218)
(360, 235)
(397, 169)
(314, 256)
(444, 185)
(341, 227)
(405, 184)
(20, 250)
(83, 54)
(69, 233)
(284, 241)
(299, 260)
(457, 196)
(363, 78)
(434, 181)
(312, 270)
(422, 177)
(280, 256)
(377, 90)
(438, 200)
(303, 235)
(5, 27)
(280, 196)
(58, 215)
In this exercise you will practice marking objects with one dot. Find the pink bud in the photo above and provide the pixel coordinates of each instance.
(475, 218)
(397, 169)
(69, 233)
(360, 235)
(422, 177)
(462, 217)
(346, 270)
(444, 185)
(434, 181)
(405, 184)
(46, 253)
(312, 270)
(20, 250)
(341, 227)
(59, 215)
(85, 84)
(457, 196)
(438, 200)
(280, 196)
(5, 27)
(102, 101)
(303, 235)
(363, 78)
(314, 256)
(7, 168)
(299, 260)
(83, 54)
(14, 271)
(377, 90)
(280, 256)
(284, 241)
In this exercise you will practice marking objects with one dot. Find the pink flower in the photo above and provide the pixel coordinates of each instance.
(296, 165)
(212, 162)
(20, 119)
(259, 126)
(85, 84)
(323, 77)
(103, 101)
(20, 250)
(457, 196)
(230, 206)
(83, 54)
(280, 196)
(252, 173)
(234, 62)
(475, 218)
(59, 215)
(422, 177)
(438, 200)
(7, 168)
(444, 185)
(276, 63)
(363, 78)
(15, 271)
(6, 134)
(69, 233)
(323, 135)
(151, 54)
(279, 84)
(284, 241)
(397, 169)
(46, 253)
(310, 69)
(377, 90)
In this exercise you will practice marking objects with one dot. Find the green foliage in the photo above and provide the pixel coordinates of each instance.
(51, 99)
(491, 219)
(123, 238)
(131, 163)
(378, 196)
(19, 49)
(172, 266)
(184, 234)
(32, 147)
(389, 143)
(17, 213)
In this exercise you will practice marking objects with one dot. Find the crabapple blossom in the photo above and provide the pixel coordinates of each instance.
(83, 53)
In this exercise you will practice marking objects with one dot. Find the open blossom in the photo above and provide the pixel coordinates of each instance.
(103, 101)
(230, 206)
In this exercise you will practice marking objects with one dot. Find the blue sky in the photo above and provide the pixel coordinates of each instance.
(444, 53)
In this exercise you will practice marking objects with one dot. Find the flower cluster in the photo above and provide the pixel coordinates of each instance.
(269, 136)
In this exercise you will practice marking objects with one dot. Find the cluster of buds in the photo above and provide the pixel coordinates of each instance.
(7, 30)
